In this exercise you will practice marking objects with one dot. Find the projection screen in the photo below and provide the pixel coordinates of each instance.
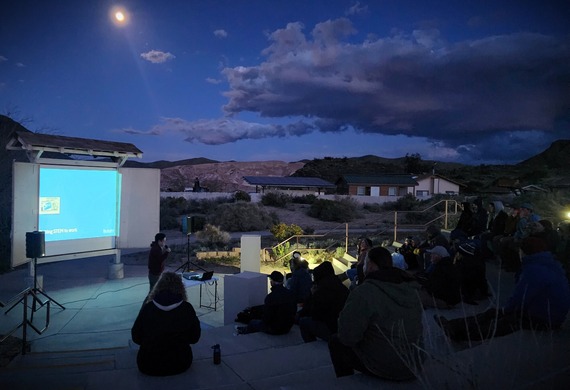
(83, 208)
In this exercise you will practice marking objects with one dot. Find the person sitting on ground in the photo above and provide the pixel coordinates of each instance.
(496, 219)
(466, 224)
(356, 273)
(441, 286)
(279, 310)
(434, 238)
(165, 327)
(540, 301)
(156, 258)
(319, 315)
(380, 329)
(407, 249)
(299, 281)
(398, 260)
(472, 273)
(511, 245)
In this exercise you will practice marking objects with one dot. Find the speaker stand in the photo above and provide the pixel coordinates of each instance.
(186, 266)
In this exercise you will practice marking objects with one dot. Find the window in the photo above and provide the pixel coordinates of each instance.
(361, 190)
(422, 193)
(392, 191)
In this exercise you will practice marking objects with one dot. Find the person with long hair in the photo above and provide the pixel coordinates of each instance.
(165, 327)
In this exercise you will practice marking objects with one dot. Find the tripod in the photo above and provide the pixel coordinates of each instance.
(186, 266)
(37, 303)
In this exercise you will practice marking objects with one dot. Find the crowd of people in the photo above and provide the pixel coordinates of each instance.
(374, 325)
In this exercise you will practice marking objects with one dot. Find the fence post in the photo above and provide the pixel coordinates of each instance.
(395, 226)
(346, 238)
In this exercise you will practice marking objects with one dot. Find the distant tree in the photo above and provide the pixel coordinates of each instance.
(413, 163)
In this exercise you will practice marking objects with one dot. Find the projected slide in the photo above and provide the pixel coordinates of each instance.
(76, 203)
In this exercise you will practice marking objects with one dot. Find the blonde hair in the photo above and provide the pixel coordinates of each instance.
(169, 281)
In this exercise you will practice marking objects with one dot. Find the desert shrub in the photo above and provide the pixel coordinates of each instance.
(343, 210)
(373, 207)
(242, 196)
(204, 206)
(282, 231)
(304, 199)
(170, 211)
(407, 202)
(213, 236)
(241, 217)
(275, 199)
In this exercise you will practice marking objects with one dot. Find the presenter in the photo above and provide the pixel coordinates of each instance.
(156, 258)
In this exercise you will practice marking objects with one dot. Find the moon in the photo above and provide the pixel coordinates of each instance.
(119, 16)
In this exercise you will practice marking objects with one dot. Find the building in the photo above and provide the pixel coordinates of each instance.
(290, 184)
(434, 184)
(376, 185)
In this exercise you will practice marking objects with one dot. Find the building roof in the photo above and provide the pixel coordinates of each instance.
(288, 181)
(35, 144)
(399, 180)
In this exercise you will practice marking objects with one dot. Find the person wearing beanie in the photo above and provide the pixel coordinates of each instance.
(278, 311)
(165, 327)
(319, 315)
(540, 300)
(380, 327)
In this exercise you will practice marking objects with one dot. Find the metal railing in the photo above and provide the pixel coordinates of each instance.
(451, 208)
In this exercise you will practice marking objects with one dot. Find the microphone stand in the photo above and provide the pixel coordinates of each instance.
(186, 266)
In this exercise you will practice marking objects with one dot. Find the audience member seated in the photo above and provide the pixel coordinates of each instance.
(299, 281)
(398, 260)
(278, 310)
(407, 249)
(319, 315)
(510, 245)
(540, 301)
(434, 238)
(165, 327)
(472, 273)
(466, 224)
(380, 328)
(441, 282)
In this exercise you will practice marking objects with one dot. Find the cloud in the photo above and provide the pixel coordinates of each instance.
(220, 33)
(357, 9)
(20, 65)
(416, 84)
(222, 131)
(213, 80)
(2, 59)
(157, 56)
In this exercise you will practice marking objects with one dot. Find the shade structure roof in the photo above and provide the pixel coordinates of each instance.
(288, 182)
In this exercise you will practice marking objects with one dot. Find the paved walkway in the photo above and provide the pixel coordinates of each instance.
(87, 345)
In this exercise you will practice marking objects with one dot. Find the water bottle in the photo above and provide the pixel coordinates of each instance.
(217, 354)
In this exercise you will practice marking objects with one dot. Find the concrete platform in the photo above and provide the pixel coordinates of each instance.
(87, 345)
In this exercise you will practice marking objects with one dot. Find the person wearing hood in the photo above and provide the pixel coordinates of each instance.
(540, 300)
(496, 221)
(380, 327)
(299, 281)
(165, 327)
(319, 315)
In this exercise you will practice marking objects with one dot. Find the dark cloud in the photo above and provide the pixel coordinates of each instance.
(467, 95)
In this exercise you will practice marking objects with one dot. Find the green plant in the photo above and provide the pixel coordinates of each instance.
(242, 196)
(282, 231)
(343, 210)
(275, 199)
(241, 217)
(213, 236)
(305, 199)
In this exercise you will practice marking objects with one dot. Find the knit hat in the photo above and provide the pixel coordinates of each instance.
(439, 250)
(276, 276)
(467, 249)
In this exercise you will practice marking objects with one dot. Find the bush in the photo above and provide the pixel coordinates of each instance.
(242, 196)
(213, 237)
(241, 217)
(305, 199)
(282, 231)
(407, 203)
(275, 199)
(343, 210)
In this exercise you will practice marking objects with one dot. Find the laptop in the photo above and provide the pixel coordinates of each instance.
(200, 277)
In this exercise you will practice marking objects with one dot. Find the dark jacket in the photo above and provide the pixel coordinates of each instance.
(164, 329)
(443, 281)
(300, 284)
(328, 297)
(156, 259)
(382, 322)
(279, 310)
(542, 292)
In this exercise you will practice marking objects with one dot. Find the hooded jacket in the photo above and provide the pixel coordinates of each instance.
(542, 292)
(382, 322)
(164, 329)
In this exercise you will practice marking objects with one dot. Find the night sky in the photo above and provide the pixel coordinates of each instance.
(250, 80)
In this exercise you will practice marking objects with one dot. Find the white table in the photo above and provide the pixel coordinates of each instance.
(213, 281)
